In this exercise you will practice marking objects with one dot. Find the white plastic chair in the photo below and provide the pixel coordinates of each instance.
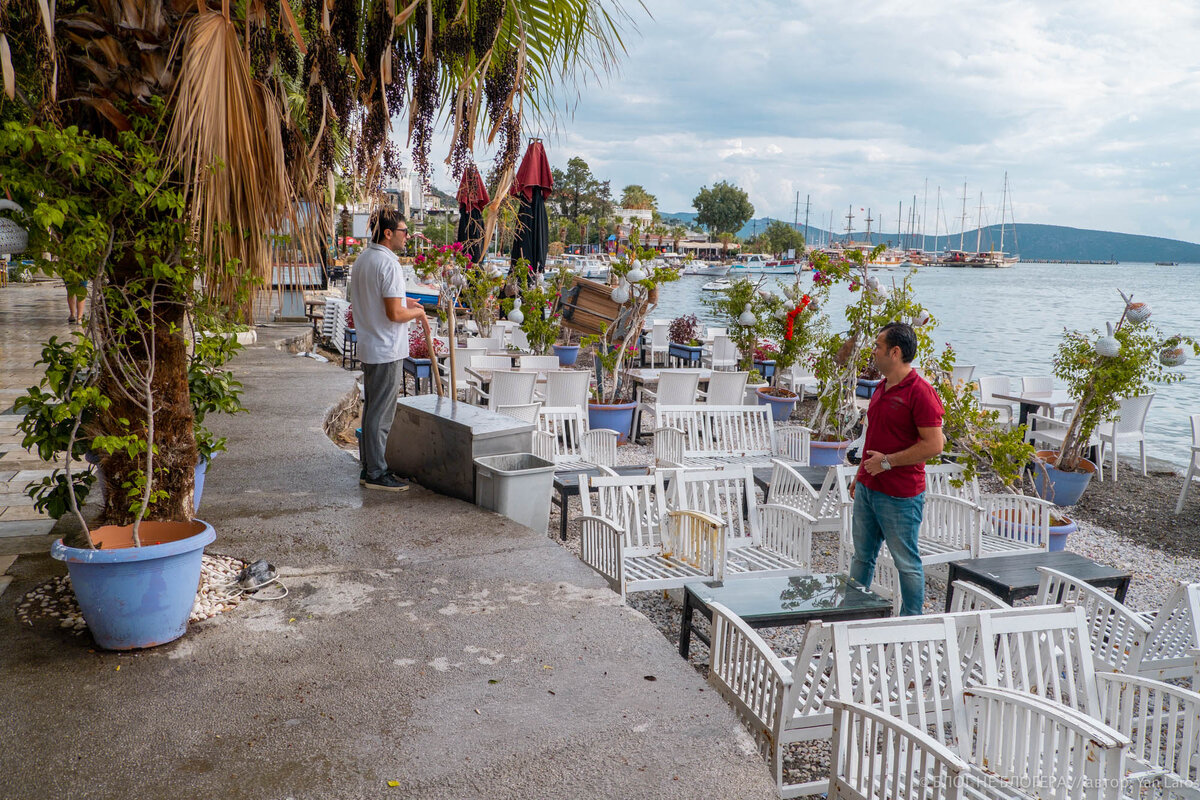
(464, 357)
(567, 389)
(509, 388)
(725, 388)
(520, 340)
(713, 333)
(675, 388)
(799, 379)
(659, 341)
(1193, 472)
(723, 354)
(963, 373)
(1041, 383)
(490, 345)
(1128, 427)
(539, 362)
(526, 412)
(988, 388)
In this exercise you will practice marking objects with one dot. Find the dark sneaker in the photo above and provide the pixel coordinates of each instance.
(388, 482)
(362, 477)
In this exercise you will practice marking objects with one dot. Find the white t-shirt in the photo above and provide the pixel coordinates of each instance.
(377, 274)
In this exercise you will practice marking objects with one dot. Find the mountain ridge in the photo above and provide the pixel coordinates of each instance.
(1034, 241)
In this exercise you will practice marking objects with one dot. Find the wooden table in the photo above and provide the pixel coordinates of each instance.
(1033, 401)
(1013, 577)
(566, 485)
(773, 601)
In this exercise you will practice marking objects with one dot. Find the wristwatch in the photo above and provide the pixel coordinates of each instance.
(885, 463)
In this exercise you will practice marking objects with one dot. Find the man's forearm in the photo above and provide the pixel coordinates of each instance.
(406, 314)
(918, 453)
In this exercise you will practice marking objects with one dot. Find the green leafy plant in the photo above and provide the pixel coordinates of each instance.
(684, 330)
(731, 303)
(1100, 381)
(540, 303)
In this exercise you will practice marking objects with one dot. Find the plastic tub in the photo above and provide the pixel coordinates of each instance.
(517, 485)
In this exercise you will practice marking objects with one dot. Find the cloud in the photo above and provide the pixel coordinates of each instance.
(1090, 107)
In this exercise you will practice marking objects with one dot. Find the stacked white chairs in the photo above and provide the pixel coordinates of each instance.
(723, 354)
(566, 388)
(760, 539)
(628, 536)
(725, 388)
(563, 437)
(989, 387)
(1193, 470)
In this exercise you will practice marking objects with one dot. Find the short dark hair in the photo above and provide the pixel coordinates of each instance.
(902, 335)
(385, 219)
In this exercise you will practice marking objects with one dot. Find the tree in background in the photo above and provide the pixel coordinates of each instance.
(678, 233)
(722, 209)
(580, 201)
(636, 196)
(779, 237)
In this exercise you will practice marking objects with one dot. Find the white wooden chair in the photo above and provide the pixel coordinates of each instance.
(508, 388)
(989, 387)
(1127, 428)
(1045, 652)
(566, 388)
(660, 342)
(770, 539)
(1193, 470)
(540, 363)
(725, 388)
(1157, 644)
(563, 437)
(723, 354)
(634, 543)
(906, 726)
(675, 388)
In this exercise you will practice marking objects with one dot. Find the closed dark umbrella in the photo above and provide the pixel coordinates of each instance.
(472, 197)
(532, 185)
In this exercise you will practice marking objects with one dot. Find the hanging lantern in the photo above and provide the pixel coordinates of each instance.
(620, 295)
(814, 306)
(747, 318)
(781, 314)
(921, 319)
(1108, 346)
(516, 315)
(636, 273)
(1137, 312)
(1173, 355)
(13, 238)
(458, 280)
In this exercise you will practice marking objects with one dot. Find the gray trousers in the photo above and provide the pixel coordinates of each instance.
(381, 385)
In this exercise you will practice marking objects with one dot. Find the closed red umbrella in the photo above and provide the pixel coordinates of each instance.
(472, 197)
(533, 184)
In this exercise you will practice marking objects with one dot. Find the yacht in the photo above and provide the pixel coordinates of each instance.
(760, 263)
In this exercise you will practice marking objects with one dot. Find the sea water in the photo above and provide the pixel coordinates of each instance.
(1010, 322)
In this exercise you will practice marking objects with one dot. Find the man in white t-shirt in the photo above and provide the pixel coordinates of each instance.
(381, 317)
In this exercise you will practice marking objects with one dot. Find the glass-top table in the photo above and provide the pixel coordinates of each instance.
(774, 601)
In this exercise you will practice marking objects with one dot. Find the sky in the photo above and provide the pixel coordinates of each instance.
(1092, 108)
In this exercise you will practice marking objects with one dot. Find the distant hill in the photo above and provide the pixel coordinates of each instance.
(1049, 242)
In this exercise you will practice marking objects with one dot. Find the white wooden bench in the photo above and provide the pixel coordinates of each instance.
(563, 436)
(760, 539)
(1156, 644)
(1010, 524)
(905, 725)
(717, 436)
(636, 544)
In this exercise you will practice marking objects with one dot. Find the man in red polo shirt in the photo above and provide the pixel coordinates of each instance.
(904, 430)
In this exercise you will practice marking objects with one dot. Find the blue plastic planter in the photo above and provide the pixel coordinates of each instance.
(617, 418)
(567, 354)
(781, 407)
(827, 454)
(1060, 488)
(135, 597)
(1059, 534)
(866, 387)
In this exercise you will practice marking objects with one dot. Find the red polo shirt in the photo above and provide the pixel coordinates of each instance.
(893, 417)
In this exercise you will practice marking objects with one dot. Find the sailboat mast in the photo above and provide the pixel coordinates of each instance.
(962, 225)
(924, 215)
(979, 223)
(1003, 199)
(937, 214)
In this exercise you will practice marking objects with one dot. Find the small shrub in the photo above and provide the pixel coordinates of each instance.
(684, 330)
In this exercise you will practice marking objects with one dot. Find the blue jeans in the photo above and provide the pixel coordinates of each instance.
(879, 517)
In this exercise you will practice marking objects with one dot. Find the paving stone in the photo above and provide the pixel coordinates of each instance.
(5, 580)
(26, 527)
(25, 545)
(16, 498)
(28, 475)
(14, 513)
(6, 562)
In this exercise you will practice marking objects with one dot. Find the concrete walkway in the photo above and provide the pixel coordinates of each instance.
(427, 649)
